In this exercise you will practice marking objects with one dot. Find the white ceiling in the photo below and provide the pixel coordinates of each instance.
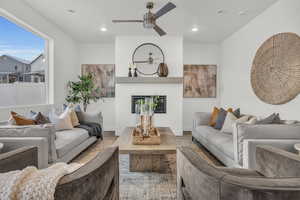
(90, 15)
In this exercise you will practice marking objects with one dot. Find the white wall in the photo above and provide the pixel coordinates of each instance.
(238, 52)
(100, 54)
(193, 53)
(172, 48)
(199, 53)
(64, 57)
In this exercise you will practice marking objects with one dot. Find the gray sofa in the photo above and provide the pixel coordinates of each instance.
(53, 146)
(277, 177)
(237, 149)
(97, 179)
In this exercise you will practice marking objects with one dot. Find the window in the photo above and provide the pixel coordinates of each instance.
(23, 66)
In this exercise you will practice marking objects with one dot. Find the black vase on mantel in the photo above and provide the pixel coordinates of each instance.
(135, 72)
(129, 72)
(163, 70)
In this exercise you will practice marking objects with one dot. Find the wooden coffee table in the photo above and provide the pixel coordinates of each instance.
(147, 157)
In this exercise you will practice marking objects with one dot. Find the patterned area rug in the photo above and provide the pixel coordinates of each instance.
(147, 185)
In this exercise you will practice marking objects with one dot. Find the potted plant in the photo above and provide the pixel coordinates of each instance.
(83, 91)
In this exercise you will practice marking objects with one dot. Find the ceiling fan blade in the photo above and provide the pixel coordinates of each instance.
(127, 21)
(159, 30)
(167, 8)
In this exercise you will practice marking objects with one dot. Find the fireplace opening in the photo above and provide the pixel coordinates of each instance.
(161, 107)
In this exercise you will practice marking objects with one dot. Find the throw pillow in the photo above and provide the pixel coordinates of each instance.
(214, 116)
(74, 118)
(243, 119)
(39, 118)
(62, 122)
(228, 123)
(230, 110)
(274, 118)
(237, 113)
(73, 113)
(277, 119)
(21, 120)
(251, 121)
(220, 119)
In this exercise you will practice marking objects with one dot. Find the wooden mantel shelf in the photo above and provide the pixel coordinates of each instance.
(149, 80)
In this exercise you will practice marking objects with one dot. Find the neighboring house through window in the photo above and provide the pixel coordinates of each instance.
(23, 66)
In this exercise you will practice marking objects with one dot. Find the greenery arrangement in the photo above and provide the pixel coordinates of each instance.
(82, 91)
(148, 105)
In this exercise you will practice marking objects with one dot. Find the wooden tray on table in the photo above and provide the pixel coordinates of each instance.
(139, 139)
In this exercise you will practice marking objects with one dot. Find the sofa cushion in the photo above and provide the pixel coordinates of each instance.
(62, 121)
(204, 132)
(39, 118)
(220, 119)
(228, 123)
(214, 116)
(222, 141)
(68, 139)
(21, 120)
(272, 119)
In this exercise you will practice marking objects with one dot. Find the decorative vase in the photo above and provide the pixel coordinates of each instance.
(163, 70)
(129, 72)
(135, 72)
(146, 116)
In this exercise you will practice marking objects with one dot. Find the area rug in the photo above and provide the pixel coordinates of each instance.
(147, 185)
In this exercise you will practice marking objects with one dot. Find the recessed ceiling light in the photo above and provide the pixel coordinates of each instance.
(195, 29)
(103, 29)
(71, 11)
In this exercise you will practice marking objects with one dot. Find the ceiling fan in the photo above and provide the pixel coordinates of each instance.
(150, 18)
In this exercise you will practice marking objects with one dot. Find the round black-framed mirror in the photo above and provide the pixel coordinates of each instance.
(147, 57)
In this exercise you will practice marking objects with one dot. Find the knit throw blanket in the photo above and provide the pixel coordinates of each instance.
(33, 184)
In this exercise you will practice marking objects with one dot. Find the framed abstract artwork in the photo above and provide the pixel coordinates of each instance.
(103, 77)
(200, 81)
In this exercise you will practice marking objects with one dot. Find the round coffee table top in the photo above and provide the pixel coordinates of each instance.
(1, 147)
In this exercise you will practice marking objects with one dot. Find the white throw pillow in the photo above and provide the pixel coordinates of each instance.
(243, 119)
(252, 121)
(73, 115)
(62, 122)
(228, 123)
(232, 119)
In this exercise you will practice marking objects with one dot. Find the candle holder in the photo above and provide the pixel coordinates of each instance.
(135, 72)
(129, 72)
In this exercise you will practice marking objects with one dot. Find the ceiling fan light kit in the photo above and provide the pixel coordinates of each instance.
(149, 19)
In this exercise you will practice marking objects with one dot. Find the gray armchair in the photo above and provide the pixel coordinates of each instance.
(96, 180)
(276, 177)
(18, 159)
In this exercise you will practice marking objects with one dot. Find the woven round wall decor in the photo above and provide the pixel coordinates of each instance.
(275, 73)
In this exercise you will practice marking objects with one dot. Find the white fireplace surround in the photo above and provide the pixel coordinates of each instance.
(173, 117)
(171, 87)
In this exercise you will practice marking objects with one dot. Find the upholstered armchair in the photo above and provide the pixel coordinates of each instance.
(277, 177)
(96, 180)
(18, 159)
